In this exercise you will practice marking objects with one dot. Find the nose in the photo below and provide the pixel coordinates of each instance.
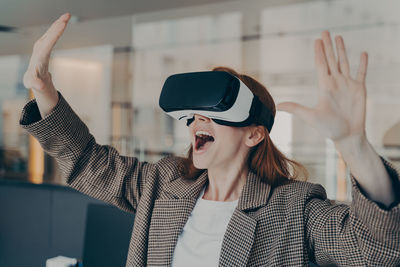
(197, 118)
(201, 118)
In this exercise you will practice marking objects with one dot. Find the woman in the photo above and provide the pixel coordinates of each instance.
(262, 216)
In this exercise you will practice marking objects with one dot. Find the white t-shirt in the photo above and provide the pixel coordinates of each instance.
(199, 243)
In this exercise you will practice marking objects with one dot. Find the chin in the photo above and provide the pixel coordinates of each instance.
(200, 163)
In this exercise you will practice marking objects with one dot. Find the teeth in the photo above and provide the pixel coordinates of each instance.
(198, 133)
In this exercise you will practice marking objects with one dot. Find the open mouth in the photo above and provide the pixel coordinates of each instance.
(202, 140)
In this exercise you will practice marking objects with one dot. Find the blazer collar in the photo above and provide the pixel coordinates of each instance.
(255, 193)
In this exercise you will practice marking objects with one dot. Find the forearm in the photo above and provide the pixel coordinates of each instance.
(96, 170)
(367, 167)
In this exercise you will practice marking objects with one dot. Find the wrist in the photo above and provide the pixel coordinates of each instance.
(46, 100)
(352, 146)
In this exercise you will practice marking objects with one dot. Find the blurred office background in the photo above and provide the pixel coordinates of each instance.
(114, 57)
(111, 70)
(111, 66)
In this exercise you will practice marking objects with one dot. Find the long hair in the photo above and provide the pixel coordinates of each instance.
(264, 159)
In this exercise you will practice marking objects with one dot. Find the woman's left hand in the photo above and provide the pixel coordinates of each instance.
(340, 116)
(340, 112)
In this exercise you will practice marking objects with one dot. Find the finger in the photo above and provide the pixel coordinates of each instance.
(51, 36)
(62, 19)
(344, 67)
(305, 113)
(320, 59)
(362, 69)
(330, 55)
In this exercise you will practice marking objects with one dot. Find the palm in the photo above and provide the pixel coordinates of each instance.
(341, 107)
(37, 74)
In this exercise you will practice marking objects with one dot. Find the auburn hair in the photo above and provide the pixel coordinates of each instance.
(264, 159)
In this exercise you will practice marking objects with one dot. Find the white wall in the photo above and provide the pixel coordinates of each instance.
(83, 76)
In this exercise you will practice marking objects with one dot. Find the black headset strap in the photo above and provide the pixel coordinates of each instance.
(260, 114)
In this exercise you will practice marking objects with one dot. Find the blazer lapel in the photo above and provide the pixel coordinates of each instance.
(171, 212)
(169, 216)
(239, 236)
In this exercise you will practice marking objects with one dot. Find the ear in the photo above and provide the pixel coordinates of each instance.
(254, 135)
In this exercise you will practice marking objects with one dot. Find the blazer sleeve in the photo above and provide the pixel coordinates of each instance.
(96, 170)
(362, 234)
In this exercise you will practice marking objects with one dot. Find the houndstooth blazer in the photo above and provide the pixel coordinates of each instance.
(289, 225)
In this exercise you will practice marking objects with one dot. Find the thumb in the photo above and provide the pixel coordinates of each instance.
(305, 113)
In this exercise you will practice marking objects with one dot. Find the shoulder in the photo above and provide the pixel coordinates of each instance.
(291, 200)
(171, 167)
(302, 191)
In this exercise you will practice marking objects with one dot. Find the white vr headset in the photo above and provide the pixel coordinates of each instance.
(218, 95)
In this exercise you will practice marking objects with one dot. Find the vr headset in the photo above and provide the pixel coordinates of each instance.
(218, 95)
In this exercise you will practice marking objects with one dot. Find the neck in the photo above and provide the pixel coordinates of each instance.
(226, 184)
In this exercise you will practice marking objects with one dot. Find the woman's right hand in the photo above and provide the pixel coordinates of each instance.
(37, 76)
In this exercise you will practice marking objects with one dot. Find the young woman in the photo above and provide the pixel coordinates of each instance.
(234, 201)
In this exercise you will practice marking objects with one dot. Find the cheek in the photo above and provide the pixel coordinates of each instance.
(231, 140)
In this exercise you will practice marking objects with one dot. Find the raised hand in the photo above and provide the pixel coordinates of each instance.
(340, 112)
(37, 76)
(340, 116)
